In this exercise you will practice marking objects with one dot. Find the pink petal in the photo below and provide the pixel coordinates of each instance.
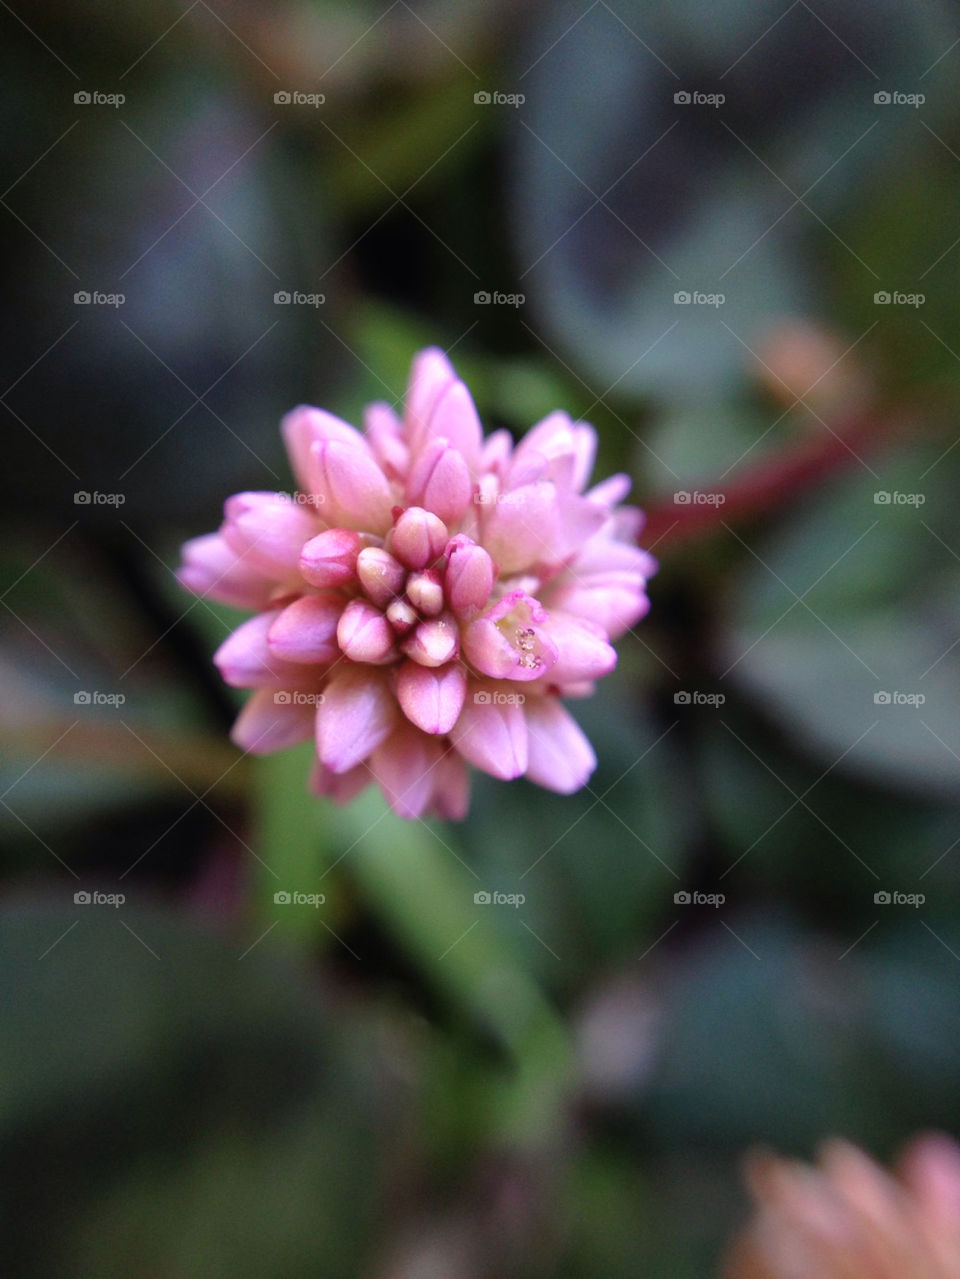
(469, 577)
(439, 481)
(583, 650)
(330, 558)
(522, 531)
(306, 630)
(245, 660)
(511, 641)
(303, 427)
(425, 591)
(404, 766)
(611, 491)
(492, 736)
(432, 698)
(430, 374)
(434, 642)
(418, 537)
(381, 576)
(450, 800)
(560, 756)
(488, 650)
(357, 714)
(211, 569)
(613, 601)
(266, 725)
(340, 787)
(455, 418)
(365, 635)
(351, 488)
(268, 530)
(383, 435)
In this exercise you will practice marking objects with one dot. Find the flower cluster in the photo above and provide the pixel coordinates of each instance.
(426, 597)
(847, 1218)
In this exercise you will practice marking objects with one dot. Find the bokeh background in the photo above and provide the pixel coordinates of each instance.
(725, 233)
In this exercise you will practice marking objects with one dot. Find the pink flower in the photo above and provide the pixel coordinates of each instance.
(426, 598)
(847, 1218)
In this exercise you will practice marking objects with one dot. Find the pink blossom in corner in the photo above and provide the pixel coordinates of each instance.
(426, 598)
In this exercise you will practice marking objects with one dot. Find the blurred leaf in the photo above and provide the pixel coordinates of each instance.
(625, 196)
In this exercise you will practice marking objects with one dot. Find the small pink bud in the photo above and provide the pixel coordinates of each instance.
(402, 616)
(350, 487)
(418, 537)
(469, 577)
(365, 635)
(425, 591)
(434, 642)
(432, 698)
(440, 481)
(267, 530)
(330, 558)
(306, 630)
(381, 576)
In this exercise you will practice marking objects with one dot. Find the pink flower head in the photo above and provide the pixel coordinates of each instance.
(426, 597)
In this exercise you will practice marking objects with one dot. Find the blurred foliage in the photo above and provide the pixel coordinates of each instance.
(400, 1082)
